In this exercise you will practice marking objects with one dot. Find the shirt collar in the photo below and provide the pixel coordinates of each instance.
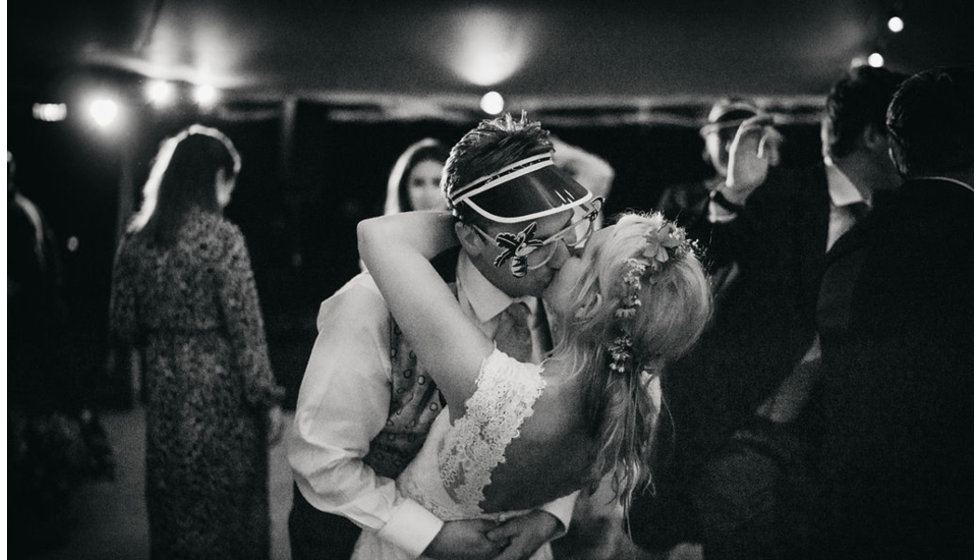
(842, 190)
(486, 300)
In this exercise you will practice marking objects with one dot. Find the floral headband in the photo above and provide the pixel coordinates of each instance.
(665, 242)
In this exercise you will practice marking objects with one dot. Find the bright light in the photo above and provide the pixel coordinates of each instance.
(50, 112)
(160, 92)
(492, 103)
(104, 111)
(489, 46)
(876, 60)
(205, 95)
(895, 24)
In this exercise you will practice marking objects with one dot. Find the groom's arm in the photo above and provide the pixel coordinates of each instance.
(343, 404)
(562, 510)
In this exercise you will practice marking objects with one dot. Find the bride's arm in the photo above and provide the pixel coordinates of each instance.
(396, 250)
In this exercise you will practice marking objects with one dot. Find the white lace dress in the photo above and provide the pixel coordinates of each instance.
(450, 472)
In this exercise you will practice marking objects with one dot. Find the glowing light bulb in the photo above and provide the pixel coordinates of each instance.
(876, 60)
(160, 92)
(50, 112)
(104, 111)
(492, 103)
(895, 24)
(205, 95)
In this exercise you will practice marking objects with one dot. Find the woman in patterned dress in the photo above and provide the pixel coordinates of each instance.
(514, 435)
(183, 293)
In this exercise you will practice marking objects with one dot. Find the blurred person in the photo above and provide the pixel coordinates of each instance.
(183, 293)
(775, 226)
(415, 180)
(894, 398)
(517, 432)
(366, 403)
(54, 440)
(587, 169)
(687, 203)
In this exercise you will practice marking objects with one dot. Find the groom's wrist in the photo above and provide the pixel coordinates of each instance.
(411, 527)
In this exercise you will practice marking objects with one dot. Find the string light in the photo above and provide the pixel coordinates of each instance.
(895, 24)
(50, 112)
(205, 95)
(160, 92)
(492, 103)
(876, 60)
(103, 111)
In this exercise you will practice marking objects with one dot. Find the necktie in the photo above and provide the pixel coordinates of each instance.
(858, 210)
(848, 216)
(513, 335)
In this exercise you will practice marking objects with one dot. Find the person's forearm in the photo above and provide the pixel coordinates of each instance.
(342, 405)
(426, 233)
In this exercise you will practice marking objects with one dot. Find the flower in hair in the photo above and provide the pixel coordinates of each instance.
(621, 353)
(517, 247)
(664, 242)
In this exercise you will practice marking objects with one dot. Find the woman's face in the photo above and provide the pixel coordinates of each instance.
(566, 282)
(424, 192)
(225, 185)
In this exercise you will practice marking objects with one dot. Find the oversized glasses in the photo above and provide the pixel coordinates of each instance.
(528, 253)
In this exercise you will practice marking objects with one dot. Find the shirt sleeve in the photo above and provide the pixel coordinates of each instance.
(239, 301)
(343, 404)
(562, 509)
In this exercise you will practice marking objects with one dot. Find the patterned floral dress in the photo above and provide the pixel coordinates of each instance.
(193, 311)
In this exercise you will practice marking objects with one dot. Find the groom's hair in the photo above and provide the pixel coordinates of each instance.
(492, 145)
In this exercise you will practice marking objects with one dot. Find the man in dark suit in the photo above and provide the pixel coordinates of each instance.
(895, 319)
(775, 226)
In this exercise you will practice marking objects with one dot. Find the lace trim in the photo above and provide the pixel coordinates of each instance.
(505, 394)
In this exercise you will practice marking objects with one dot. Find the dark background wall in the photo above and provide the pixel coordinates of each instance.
(308, 178)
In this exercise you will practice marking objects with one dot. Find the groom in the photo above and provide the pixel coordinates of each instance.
(365, 405)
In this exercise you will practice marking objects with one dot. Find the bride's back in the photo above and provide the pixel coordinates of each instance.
(551, 458)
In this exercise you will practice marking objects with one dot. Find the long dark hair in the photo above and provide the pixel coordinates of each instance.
(427, 149)
(183, 178)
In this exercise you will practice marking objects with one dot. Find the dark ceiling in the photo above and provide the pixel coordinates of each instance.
(568, 50)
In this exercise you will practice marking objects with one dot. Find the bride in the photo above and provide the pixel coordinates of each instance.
(516, 435)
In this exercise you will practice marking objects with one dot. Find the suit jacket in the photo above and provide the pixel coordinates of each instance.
(764, 318)
(763, 324)
(895, 319)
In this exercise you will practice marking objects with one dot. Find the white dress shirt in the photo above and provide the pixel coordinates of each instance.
(344, 402)
(843, 193)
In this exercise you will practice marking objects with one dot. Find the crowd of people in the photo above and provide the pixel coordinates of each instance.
(775, 363)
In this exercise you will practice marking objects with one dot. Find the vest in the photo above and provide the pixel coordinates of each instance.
(415, 403)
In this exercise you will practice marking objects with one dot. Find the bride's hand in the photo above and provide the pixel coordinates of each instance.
(465, 539)
(525, 534)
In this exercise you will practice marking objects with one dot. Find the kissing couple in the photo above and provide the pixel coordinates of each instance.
(492, 362)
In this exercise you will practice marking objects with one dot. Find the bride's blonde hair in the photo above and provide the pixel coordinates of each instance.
(625, 322)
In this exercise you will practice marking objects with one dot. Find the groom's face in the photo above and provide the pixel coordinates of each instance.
(482, 250)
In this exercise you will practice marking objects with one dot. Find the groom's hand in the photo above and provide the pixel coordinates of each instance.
(465, 539)
(524, 535)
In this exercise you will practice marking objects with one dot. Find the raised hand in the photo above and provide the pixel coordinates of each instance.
(754, 149)
(464, 540)
(522, 536)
